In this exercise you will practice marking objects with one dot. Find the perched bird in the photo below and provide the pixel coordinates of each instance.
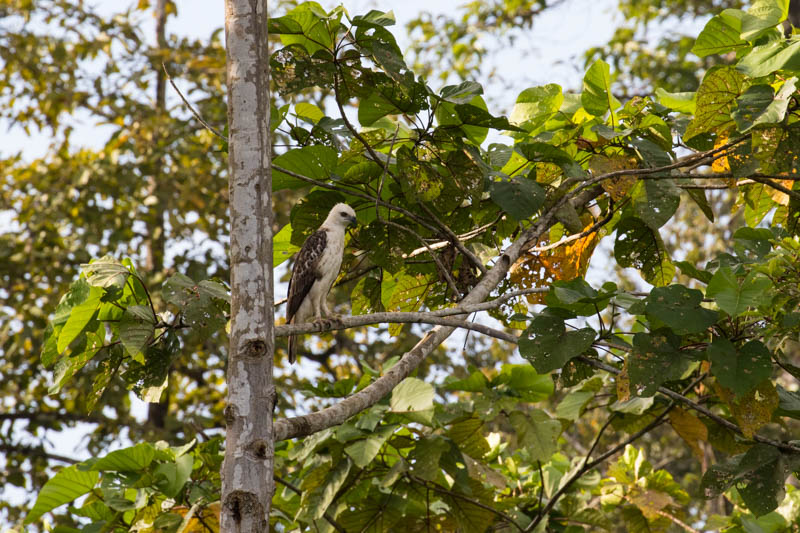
(315, 269)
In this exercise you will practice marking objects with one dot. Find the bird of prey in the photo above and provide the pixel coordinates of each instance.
(315, 269)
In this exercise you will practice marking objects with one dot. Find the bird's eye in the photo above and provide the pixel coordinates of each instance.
(343, 214)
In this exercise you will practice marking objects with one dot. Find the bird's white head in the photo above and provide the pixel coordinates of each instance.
(341, 216)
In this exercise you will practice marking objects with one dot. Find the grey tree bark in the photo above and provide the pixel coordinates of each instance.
(247, 473)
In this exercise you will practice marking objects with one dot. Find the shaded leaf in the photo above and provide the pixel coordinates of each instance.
(548, 345)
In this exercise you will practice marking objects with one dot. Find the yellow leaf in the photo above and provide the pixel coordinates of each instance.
(690, 429)
(541, 269)
(753, 410)
(617, 187)
(721, 164)
(650, 502)
(623, 385)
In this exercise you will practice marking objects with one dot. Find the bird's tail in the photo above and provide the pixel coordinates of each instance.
(292, 349)
(292, 345)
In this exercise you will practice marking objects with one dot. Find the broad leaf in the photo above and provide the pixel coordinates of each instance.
(739, 369)
(67, 485)
(639, 246)
(679, 308)
(720, 35)
(316, 162)
(519, 197)
(735, 298)
(597, 97)
(548, 345)
(128, 459)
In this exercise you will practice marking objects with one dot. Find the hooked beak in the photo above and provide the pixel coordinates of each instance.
(352, 220)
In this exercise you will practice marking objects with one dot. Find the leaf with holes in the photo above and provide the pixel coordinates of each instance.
(720, 35)
(716, 99)
(639, 246)
(734, 297)
(739, 369)
(656, 358)
(655, 201)
(537, 433)
(519, 197)
(679, 308)
(548, 345)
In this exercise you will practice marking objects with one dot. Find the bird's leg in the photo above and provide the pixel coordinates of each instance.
(332, 318)
(321, 313)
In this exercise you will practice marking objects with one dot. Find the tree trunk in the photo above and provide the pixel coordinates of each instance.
(156, 239)
(247, 482)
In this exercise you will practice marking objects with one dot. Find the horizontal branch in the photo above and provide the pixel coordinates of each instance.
(33, 451)
(391, 318)
(286, 428)
(431, 317)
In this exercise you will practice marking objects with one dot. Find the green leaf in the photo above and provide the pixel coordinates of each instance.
(476, 382)
(720, 35)
(763, 15)
(739, 369)
(769, 58)
(315, 502)
(79, 317)
(67, 485)
(309, 111)
(685, 102)
(127, 460)
(462, 93)
(426, 455)
(317, 162)
(679, 308)
(760, 105)
(526, 382)
(571, 407)
(735, 298)
(597, 97)
(537, 433)
(468, 434)
(282, 247)
(655, 359)
(548, 345)
(519, 197)
(412, 394)
(655, 201)
(363, 451)
(639, 246)
(634, 406)
(179, 290)
(174, 475)
(764, 470)
(105, 272)
(700, 199)
(716, 98)
(134, 332)
(535, 106)
(375, 18)
(545, 153)
(305, 25)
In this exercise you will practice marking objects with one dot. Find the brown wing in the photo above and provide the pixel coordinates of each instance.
(305, 271)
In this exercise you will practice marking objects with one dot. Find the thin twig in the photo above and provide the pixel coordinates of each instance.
(455, 240)
(208, 126)
(696, 407)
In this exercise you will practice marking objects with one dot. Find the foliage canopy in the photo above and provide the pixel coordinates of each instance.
(456, 205)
